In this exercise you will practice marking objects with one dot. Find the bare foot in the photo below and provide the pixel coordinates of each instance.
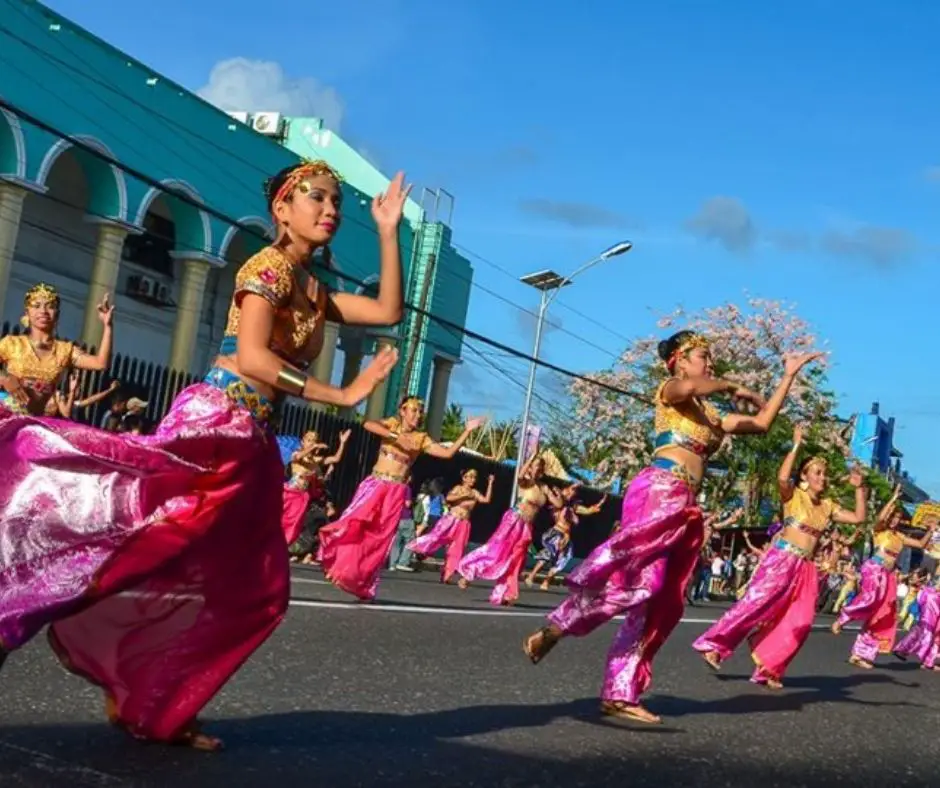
(713, 660)
(529, 581)
(545, 585)
(860, 663)
(629, 711)
(540, 642)
(836, 628)
(773, 684)
(463, 584)
(197, 740)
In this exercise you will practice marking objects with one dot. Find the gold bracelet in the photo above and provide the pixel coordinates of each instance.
(292, 381)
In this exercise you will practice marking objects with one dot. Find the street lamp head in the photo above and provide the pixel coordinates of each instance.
(617, 249)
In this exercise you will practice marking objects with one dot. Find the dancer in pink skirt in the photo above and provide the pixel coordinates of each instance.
(503, 556)
(453, 529)
(923, 641)
(308, 469)
(355, 547)
(875, 604)
(779, 606)
(642, 570)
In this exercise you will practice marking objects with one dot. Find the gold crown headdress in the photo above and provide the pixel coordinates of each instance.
(412, 400)
(39, 293)
(688, 343)
(308, 168)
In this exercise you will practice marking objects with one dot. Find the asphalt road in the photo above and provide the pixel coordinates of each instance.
(429, 687)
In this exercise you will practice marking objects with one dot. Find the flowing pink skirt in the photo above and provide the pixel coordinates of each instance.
(875, 605)
(776, 613)
(641, 571)
(159, 560)
(502, 558)
(354, 548)
(292, 514)
(923, 641)
(450, 532)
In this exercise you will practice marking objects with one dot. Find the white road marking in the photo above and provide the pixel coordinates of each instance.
(391, 607)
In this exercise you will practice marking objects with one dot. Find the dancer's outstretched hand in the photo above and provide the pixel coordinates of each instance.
(476, 423)
(387, 208)
(793, 363)
(378, 370)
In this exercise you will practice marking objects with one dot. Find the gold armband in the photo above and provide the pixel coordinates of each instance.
(292, 381)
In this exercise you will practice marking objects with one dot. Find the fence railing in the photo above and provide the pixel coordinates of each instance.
(158, 385)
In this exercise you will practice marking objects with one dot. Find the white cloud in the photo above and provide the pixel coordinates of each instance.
(262, 86)
(727, 221)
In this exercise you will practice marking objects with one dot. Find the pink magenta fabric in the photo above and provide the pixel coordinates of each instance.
(449, 532)
(875, 606)
(159, 560)
(776, 613)
(293, 511)
(502, 558)
(354, 548)
(641, 571)
(923, 641)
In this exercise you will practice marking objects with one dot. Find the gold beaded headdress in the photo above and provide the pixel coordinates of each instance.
(809, 463)
(688, 344)
(306, 169)
(412, 400)
(39, 293)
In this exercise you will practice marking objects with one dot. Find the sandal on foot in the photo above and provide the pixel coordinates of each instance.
(629, 711)
(860, 663)
(539, 643)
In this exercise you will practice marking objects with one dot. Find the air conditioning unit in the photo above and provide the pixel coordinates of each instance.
(146, 287)
(241, 117)
(267, 123)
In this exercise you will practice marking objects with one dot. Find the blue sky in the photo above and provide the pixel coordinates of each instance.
(790, 151)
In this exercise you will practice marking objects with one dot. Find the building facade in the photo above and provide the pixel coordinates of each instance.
(873, 445)
(115, 179)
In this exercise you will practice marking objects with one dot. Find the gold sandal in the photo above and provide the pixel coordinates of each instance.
(194, 738)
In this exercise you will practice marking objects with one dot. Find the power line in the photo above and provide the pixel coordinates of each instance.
(175, 124)
(253, 232)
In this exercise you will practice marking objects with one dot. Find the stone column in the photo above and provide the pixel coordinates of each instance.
(11, 209)
(189, 312)
(352, 361)
(437, 402)
(375, 405)
(322, 368)
(104, 277)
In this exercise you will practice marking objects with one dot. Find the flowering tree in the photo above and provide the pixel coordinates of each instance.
(612, 433)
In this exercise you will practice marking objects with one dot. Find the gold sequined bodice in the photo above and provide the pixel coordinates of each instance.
(809, 517)
(38, 375)
(675, 429)
(297, 335)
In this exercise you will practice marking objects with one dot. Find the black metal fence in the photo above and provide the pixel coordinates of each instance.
(158, 385)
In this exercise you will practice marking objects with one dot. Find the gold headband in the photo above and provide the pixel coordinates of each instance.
(41, 293)
(413, 401)
(820, 461)
(688, 344)
(306, 169)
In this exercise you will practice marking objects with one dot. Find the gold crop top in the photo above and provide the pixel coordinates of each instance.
(676, 430)
(271, 275)
(38, 375)
(889, 542)
(811, 518)
(409, 444)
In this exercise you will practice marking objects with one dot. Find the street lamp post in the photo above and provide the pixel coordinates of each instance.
(548, 283)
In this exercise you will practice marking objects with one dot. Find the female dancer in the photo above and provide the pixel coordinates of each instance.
(307, 470)
(556, 541)
(923, 641)
(37, 361)
(159, 560)
(642, 570)
(354, 547)
(453, 529)
(503, 556)
(780, 602)
(875, 604)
